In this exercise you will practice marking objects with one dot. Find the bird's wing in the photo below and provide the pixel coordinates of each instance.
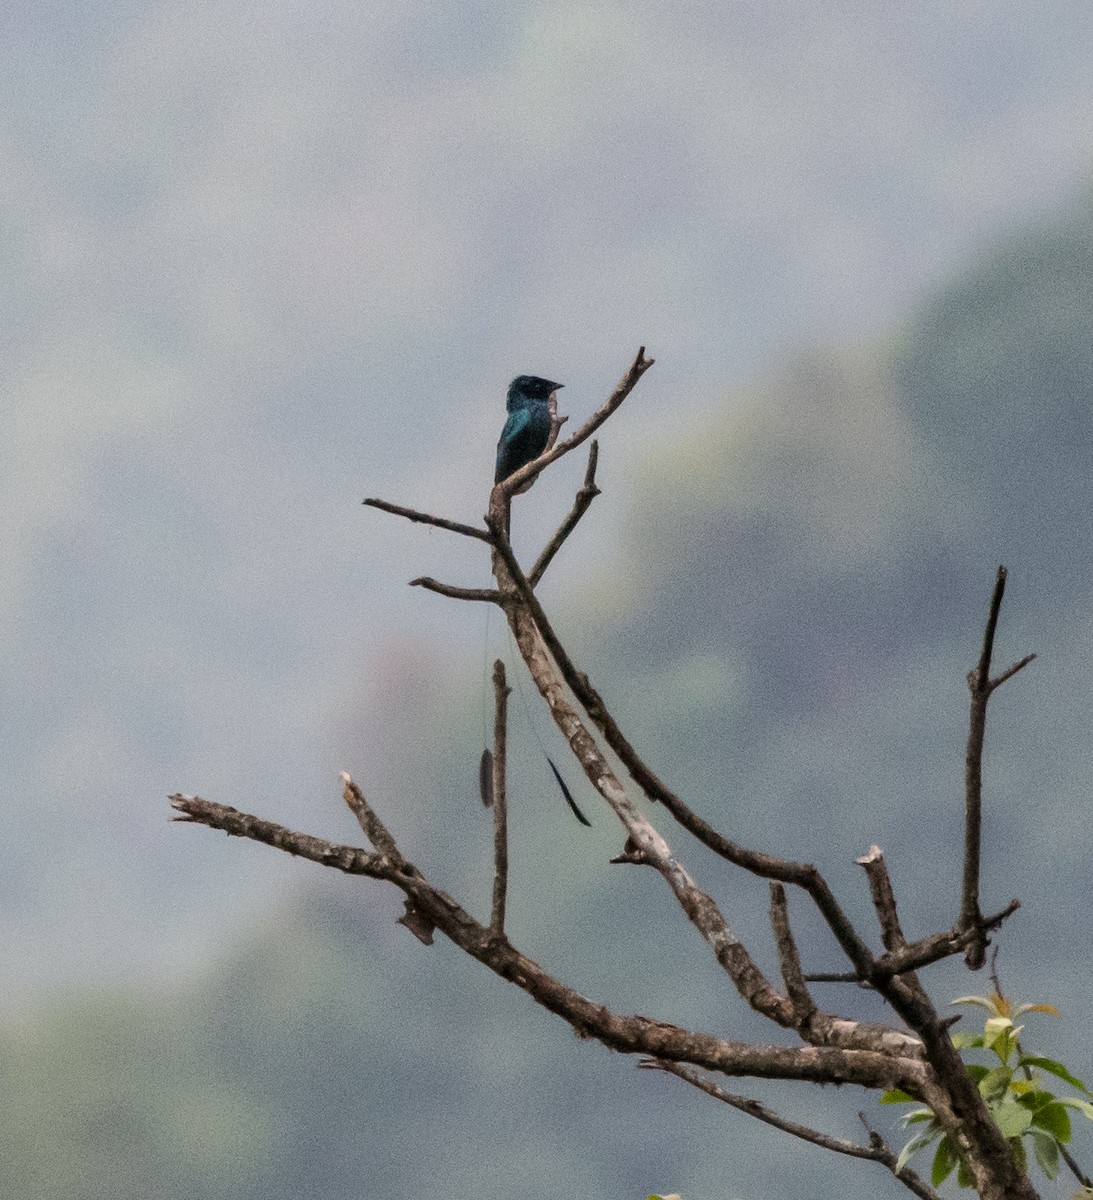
(510, 444)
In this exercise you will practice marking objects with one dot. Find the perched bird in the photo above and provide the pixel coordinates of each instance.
(528, 427)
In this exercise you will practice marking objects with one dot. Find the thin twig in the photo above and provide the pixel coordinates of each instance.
(588, 492)
(981, 686)
(350, 859)
(879, 1153)
(918, 954)
(374, 829)
(836, 977)
(1075, 1169)
(1009, 672)
(492, 595)
(803, 1005)
(412, 514)
(500, 800)
(884, 901)
(890, 1159)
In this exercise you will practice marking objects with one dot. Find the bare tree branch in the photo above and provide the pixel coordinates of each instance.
(877, 1151)
(588, 492)
(500, 799)
(837, 977)
(456, 593)
(956, 1101)
(920, 1060)
(918, 954)
(350, 859)
(374, 829)
(541, 651)
(412, 514)
(981, 686)
(804, 1007)
(884, 901)
(890, 1159)
(626, 1034)
(822, 1028)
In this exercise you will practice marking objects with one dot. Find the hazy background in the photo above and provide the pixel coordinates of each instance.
(258, 263)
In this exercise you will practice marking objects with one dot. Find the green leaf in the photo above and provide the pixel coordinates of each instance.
(944, 1161)
(967, 1041)
(1046, 1150)
(1019, 1153)
(999, 1035)
(994, 1083)
(918, 1116)
(1055, 1119)
(916, 1143)
(963, 1175)
(1037, 1096)
(977, 1071)
(895, 1096)
(1053, 1068)
(995, 1026)
(1083, 1106)
(1011, 1118)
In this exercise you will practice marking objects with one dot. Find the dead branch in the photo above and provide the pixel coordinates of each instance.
(876, 1151)
(626, 1034)
(452, 592)
(412, 514)
(981, 686)
(804, 1007)
(374, 829)
(500, 799)
(884, 901)
(920, 1059)
(588, 492)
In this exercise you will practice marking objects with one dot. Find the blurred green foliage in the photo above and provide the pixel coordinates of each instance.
(1026, 1111)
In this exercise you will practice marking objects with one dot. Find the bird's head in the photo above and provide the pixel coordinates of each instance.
(526, 388)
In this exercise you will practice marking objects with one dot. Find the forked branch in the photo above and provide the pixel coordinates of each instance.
(919, 1059)
(981, 687)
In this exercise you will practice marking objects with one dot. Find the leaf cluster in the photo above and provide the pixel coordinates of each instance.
(1024, 1110)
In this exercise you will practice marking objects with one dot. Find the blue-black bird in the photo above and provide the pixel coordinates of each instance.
(528, 426)
(524, 438)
